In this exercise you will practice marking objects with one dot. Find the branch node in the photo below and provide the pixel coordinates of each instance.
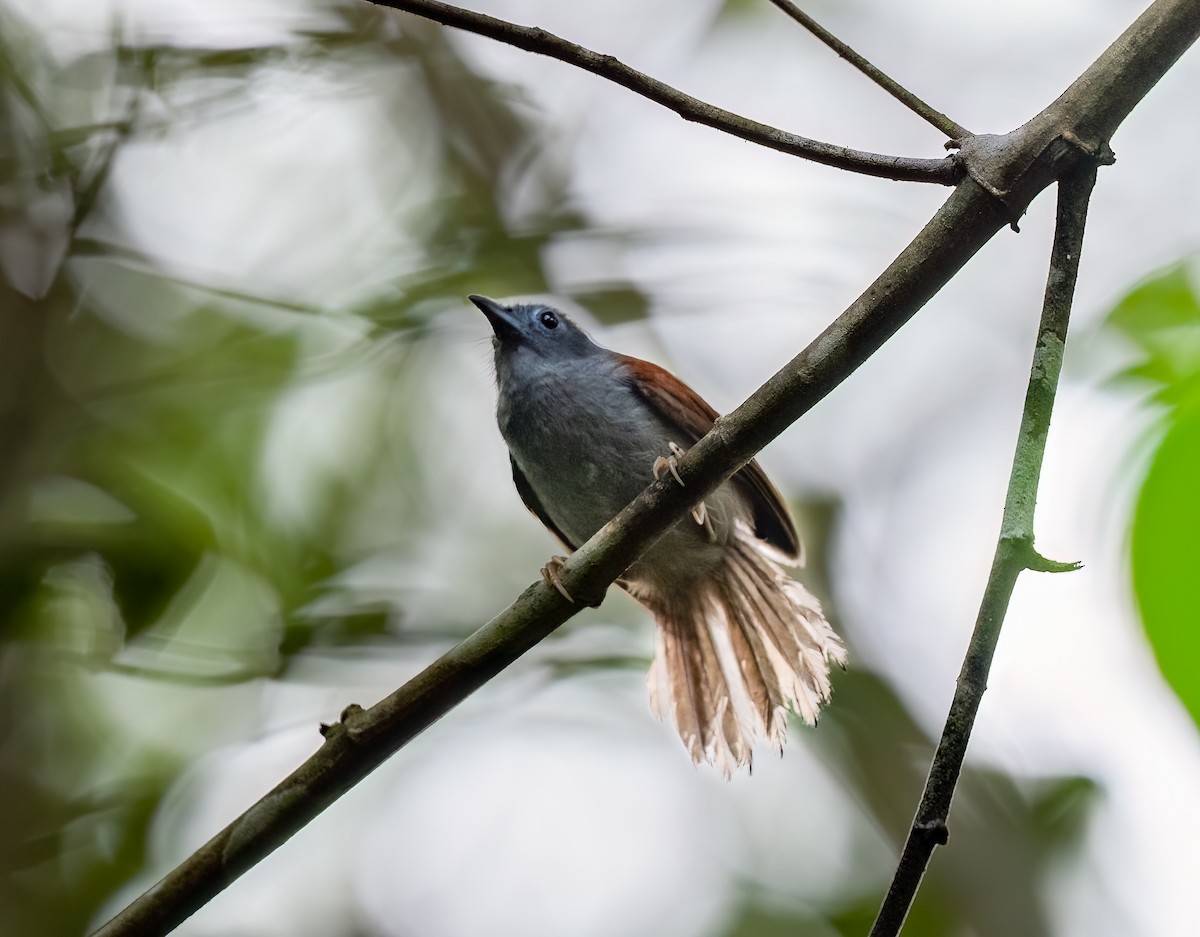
(1017, 543)
(988, 159)
(936, 830)
(1100, 152)
(349, 720)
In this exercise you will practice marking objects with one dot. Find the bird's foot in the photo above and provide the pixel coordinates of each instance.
(670, 464)
(552, 573)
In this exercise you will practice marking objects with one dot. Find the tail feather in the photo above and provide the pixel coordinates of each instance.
(760, 677)
(756, 606)
(688, 681)
(748, 644)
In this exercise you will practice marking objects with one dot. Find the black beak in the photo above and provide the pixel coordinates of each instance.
(504, 323)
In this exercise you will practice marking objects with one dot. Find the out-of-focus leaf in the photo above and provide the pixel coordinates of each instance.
(755, 922)
(1162, 302)
(564, 667)
(1166, 556)
(987, 880)
(335, 630)
(614, 304)
(925, 919)
(1162, 316)
(740, 9)
(1061, 807)
(65, 853)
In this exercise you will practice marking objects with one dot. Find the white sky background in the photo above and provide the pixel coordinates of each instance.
(916, 445)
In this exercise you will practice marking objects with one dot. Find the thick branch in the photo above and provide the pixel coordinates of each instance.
(364, 739)
(1014, 553)
(532, 39)
(1087, 114)
(968, 219)
(930, 114)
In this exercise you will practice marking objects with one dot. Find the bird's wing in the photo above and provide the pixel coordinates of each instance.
(525, 490)
(680, 405)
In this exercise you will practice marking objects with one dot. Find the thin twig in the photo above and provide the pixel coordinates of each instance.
(1014, 553)
(943, 171)
(939, 120)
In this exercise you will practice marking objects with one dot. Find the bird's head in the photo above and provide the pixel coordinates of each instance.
(535, 330)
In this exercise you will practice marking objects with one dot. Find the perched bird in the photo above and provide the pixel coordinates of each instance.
(738, 641)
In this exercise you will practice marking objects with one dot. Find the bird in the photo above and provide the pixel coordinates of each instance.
(738, 641)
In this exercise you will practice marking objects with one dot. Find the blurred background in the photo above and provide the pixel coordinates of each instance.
(249, 473)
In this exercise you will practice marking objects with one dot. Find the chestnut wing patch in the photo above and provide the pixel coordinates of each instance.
(682, 406)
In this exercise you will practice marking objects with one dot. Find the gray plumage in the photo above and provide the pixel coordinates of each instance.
(738, 642)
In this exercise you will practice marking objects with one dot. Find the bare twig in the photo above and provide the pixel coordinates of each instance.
(935, 117)
(532, 39)
(1014, 553)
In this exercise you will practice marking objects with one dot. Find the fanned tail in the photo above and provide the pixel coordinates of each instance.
(740, 650)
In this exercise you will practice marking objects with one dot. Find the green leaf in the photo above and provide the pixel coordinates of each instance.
(1162, 316)
(1161, 302)
(615, 303)
(1166, 556)
(1061, 808)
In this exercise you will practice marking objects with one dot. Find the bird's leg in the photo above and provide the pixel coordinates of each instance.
(552, 573)
(670, 463)
(701, 516)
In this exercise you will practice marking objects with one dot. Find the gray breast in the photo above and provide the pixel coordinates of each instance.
(583, 439)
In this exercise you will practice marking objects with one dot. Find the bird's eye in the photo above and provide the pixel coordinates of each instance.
(549, 320)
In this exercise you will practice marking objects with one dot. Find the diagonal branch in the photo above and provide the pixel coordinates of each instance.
(943, 171)
(364, 739)
(1014, 553)
(930, 114)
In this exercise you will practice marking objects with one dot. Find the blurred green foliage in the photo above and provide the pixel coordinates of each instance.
(1004, 834)
(1162, 317)
(136, 406)
(134, 535)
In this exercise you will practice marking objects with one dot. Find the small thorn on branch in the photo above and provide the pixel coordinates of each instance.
(1040, 564)
(1014, 553)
